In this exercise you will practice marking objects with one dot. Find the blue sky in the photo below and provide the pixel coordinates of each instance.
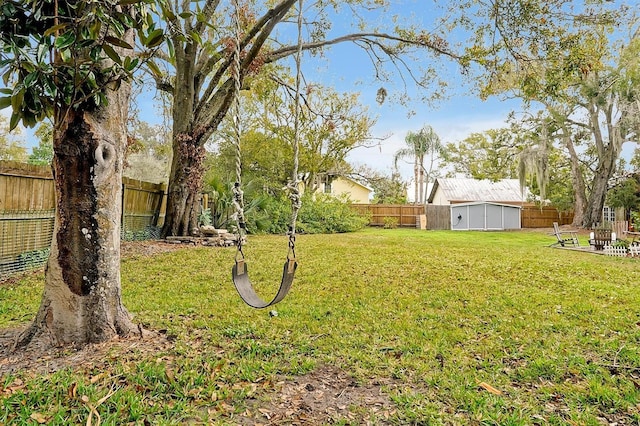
(346, 67)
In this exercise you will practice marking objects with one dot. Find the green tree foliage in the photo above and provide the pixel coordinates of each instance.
(148, 152)
(331, 126)
(53, 54)
(387, 189)
(492, 155)
(43, 153)
(581, 65)
(558, 188)
(11, 146)
(635, 160)
(625, 194)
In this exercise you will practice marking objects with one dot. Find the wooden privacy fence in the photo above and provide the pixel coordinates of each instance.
(439, 217)
(27, 207)
(405, 214)
(533, 216)
(143, 208)
(27, 203)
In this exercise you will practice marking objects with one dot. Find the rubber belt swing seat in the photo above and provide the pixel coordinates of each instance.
(246, 291)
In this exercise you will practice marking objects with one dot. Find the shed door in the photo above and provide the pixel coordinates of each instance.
(477, 216)
(459, 218)
(494, 217)
(512, 218)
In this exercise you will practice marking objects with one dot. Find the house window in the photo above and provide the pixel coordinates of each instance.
(608, 214)
(327, 184)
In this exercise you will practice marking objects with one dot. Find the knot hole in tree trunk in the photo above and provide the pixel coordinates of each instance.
(105, 155)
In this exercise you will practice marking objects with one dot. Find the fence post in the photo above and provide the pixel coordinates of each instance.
(162, 190)
(122, 213)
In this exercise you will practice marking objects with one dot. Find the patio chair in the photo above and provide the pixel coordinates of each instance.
(565, 237)
(601, 238)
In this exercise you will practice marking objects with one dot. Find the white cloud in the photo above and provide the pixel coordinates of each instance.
(450, 130)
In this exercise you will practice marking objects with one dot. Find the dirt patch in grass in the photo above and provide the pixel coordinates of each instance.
(39, 360)
(326, 395)
(148, 248)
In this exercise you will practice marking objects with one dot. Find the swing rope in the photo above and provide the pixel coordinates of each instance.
(239, 271)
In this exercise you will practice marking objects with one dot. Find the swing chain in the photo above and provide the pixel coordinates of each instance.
(294, 183)
(296, 204)
(238, 216)
(238, 194)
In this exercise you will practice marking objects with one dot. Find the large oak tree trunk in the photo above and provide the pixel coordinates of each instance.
(577, 179)
(608, 154)
(82, 295)
(606, 166)
(185, 187)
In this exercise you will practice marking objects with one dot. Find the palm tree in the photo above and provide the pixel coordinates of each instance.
(425, 143)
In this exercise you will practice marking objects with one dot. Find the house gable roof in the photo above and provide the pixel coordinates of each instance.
(356, 183)
(350, 180)
(467, 190)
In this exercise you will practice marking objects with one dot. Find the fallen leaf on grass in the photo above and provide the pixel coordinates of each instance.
(489, 388)
(170, 375)
(73, 390)
(38, 417)
(265, 412)
(14, 387)
(97, 377)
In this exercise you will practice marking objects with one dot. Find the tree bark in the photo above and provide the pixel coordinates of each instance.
(577, 179)
(416, 179)
(608, 153)
(606, 165)
(82, 300)
(82, 295)
(185, 186)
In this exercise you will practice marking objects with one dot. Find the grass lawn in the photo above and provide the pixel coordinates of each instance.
(381, 327)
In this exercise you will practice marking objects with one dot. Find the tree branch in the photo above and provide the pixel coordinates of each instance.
(367, 37)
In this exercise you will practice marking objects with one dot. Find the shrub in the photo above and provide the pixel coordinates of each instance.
(320, 215)
(276, 215)
(635, 220)
(205, 218)
(33, 259)
(390, 222)
(621, 243)
(326, 214)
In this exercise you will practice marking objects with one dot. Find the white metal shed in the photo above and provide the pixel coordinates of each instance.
(484, 216)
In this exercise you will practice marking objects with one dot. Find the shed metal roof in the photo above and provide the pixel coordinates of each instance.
(467, 190)
(481, 203)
